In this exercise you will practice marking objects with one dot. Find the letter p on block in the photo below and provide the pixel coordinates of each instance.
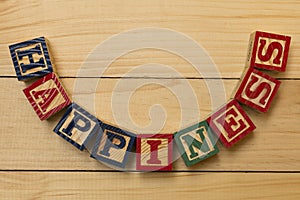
(113, 145)
(77, 126)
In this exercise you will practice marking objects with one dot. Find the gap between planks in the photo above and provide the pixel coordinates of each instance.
(190, 78)
(173, 171)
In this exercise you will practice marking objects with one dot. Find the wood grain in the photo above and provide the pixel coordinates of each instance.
(28, 143)
(87, 185)
(75, 28)
(50, 168)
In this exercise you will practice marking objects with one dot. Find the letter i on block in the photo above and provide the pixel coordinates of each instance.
(77, 126)
(154, 152)
(196, 143)
(230, 123)
(47, 96)
(257, 90)
(31, 58)
(268, 51)
(113, 145)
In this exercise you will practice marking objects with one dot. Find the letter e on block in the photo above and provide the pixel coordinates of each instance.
(154, 152)
(77, 126)
(47, 96)
(31, 58)
(268, 51)
(113, 145)
(230, 123)
(257, 90)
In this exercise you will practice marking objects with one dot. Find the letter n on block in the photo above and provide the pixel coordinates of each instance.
(31, 58)
(257, 90)
(154, 152)
(268, 51)
(231, 123)
(196, 143)
(113, 145)
(77, 126)
(47, 96)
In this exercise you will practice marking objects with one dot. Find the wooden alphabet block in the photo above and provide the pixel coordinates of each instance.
(196, 143)
(77, 126)
(154, 152)
(31, 58)
(230, 123)
(47, 96)
(257, 90)
(113, 145)
(268, 51)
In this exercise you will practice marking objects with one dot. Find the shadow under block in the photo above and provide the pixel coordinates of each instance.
(77, 126)
(47, 96)
(154, 152)
(268, 51)
(230, 123)
(196, 143)
(31, 58)
(113, 145)
(257, 90)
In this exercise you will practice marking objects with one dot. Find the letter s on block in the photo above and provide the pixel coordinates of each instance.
(270, 50)
(264, 86)
(257, 90)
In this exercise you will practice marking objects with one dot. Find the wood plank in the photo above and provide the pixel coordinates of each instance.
(222, 29)
(28, 143)
(87, 185)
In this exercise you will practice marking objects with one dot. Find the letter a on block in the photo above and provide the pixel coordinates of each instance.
(231, 123)
(154, 152)
(196, 143)
(113, 145)
(47, 96)
(257, 90)
(268, 51)
(77, 126)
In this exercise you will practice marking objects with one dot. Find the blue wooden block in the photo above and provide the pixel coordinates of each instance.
(31, 58)
(113, 145)
(77, 126)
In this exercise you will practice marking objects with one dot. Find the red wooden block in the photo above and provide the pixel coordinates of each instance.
(47, 96)
(268, 51)
(257, 90)
(230, 123)
(154, 152)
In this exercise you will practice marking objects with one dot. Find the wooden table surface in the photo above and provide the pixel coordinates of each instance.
(35, 163)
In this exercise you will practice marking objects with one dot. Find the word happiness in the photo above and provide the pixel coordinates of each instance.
(112, 145)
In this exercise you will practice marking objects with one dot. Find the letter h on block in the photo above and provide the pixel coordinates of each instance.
(47, 96)
(257, 90)
(113, 145)
(154, 152)
(231, 123)
(268, 51)
(31, 58)
(196, 143)
(77, 126)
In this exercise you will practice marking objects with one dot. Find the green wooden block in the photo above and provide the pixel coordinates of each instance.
(196, 143)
